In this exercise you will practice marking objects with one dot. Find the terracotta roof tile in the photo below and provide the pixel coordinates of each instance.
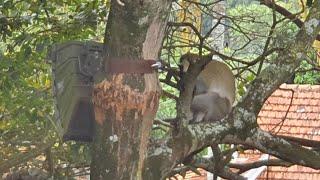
(302, 120)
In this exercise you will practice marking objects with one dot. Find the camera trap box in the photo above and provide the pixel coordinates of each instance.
(74, 65)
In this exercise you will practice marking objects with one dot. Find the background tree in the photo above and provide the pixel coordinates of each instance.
(268, 41)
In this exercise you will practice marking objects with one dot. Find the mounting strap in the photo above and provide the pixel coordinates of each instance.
(129, 66)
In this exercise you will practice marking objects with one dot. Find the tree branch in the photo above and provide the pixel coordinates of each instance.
(243, 167)
(283, 11)
(169, 95)
(211, 166)
(283, 149)
(301, 141)
(186, 24)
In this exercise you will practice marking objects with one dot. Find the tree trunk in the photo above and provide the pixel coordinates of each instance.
(125, 104)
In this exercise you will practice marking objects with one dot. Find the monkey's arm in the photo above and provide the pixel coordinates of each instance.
(200, 87)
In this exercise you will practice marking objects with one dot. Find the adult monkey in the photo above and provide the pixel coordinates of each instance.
(214, 91)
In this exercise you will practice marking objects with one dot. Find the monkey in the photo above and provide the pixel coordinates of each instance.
(214, 92)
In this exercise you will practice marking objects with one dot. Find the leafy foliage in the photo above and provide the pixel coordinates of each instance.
(27, 30)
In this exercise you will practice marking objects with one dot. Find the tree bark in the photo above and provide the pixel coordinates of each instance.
(125, 104)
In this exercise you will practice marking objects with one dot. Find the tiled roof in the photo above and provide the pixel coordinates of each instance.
(292, 110)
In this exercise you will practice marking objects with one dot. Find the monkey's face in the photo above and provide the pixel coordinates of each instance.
(188, 59)
(185, 65)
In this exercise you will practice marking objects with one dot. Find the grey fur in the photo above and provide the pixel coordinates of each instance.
(209, 107)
